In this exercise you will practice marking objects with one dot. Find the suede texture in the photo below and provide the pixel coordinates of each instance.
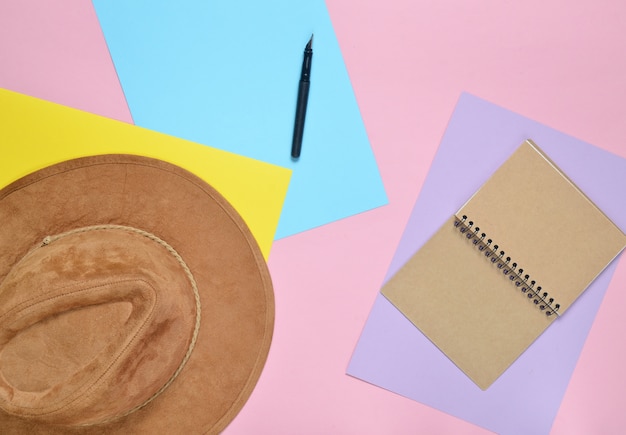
(95, 323)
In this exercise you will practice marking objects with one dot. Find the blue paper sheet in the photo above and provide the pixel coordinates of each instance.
(225, 74)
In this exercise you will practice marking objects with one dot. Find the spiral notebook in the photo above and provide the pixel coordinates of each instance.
(510, 262)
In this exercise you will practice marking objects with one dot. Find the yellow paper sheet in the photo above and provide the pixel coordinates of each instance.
(36, 133)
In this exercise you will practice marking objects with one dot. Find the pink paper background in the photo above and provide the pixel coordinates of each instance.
(559, 62)
(56, 51)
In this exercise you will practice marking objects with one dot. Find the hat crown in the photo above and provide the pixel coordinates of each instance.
(94, 325)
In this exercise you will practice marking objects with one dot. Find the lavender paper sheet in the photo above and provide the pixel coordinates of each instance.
(391, 353)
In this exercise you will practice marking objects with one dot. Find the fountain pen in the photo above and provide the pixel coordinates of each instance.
(303, 97)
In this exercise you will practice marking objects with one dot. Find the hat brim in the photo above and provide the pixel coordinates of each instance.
(233, 280)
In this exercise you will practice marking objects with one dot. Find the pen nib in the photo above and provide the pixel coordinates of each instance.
(310, 43)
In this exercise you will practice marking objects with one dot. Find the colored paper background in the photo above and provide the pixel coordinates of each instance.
(393, 354)
(36, 133)
(58, 54)
(557, 62)
(226, 74)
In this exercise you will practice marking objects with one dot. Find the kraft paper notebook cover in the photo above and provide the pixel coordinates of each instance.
(506, 265)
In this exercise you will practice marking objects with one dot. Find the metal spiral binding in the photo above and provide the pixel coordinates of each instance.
(507, 266)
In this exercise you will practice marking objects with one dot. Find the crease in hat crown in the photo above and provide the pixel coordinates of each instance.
(149, 323)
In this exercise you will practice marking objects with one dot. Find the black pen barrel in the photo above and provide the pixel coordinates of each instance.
(298, 131)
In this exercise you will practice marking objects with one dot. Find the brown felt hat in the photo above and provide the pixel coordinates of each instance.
(133, 299)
